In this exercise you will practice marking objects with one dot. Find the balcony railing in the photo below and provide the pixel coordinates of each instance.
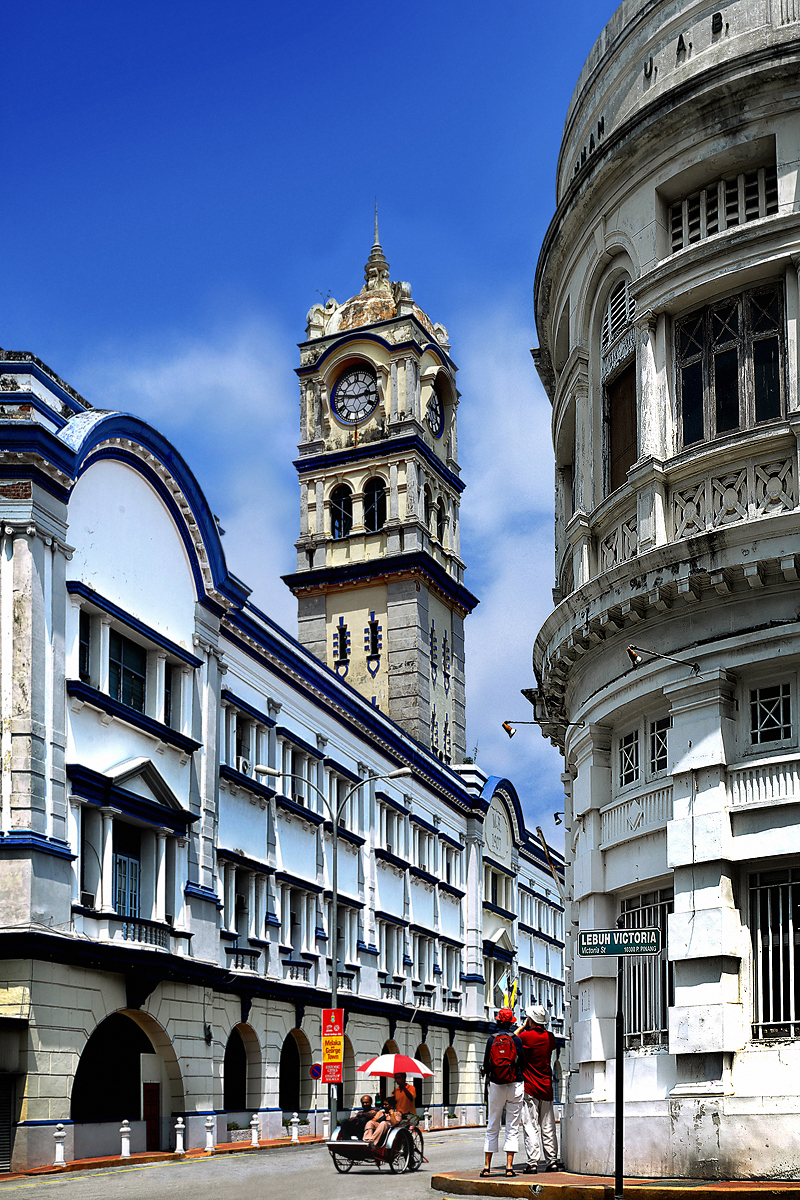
(765, 781)
(297, 971)
(345, 981)
(423, 999)
(146, 933)
(635, 815)
(392, 991)
(452, 1004)
(240, 959)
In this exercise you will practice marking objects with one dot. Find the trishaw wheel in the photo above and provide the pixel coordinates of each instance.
(342, 1163)
(399, 1155)
(417, 1150)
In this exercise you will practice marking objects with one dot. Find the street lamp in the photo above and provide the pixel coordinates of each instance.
(274, 773)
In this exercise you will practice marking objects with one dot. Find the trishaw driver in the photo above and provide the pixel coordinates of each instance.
(405, 1097)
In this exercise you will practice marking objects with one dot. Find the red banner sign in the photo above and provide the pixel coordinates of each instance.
(332, 1044)
(332, 1022)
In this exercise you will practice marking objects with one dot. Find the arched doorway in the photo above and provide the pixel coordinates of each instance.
(234, 1074)
(294, 1079)
(127, 1071)
(449, 1078)
(346, 1090)
(424, 1086)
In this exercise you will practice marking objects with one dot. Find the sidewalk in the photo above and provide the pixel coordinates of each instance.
(96, 1164)
(561, 1185)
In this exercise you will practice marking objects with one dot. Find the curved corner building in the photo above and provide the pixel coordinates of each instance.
(667, 307)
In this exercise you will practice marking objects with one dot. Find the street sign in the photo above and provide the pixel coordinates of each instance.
(315, 1070)
(332, 1044)
(598, 943)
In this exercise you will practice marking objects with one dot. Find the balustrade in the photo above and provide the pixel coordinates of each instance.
(635, 815)
(765, 781)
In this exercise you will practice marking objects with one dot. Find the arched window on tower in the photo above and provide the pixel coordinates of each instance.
(341, 512)
(374, 505)
(622, 447)
(439, 521)
(427, 504)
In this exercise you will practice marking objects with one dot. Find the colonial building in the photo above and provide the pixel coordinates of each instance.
(667, 306)
(165, 930)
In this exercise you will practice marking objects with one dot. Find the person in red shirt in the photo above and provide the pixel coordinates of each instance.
(538, 1045)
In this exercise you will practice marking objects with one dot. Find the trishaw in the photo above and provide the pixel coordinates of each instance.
(403, 1147)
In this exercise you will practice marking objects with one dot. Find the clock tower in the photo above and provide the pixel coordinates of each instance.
(379, 579)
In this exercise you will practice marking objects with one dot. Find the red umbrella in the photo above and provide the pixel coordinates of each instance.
(395, 1064)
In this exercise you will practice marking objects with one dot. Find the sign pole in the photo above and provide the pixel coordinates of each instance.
(619, 1073)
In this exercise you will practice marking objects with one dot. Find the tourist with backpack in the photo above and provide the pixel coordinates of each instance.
(502, 1066)
(537, 1106)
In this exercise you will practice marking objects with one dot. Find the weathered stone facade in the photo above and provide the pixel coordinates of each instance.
(667, 306)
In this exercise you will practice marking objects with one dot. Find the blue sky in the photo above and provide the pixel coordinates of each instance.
(184, 179)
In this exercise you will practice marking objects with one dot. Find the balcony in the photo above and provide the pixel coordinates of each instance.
(423, 999)
(765, 782)
(146, 933)
(300, 972)
(240, 959)
(392, 991)
(345, 982)
(452, 1004)
(635, 815)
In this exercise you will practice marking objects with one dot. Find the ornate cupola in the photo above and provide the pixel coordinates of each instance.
(379, 580)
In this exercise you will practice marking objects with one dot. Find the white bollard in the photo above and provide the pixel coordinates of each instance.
(326, 1126)
(294, 1125)
(180, 1129)
(125, 1135)
(481, 1115)
(254, 1130)
(427, 1120)
(59, 1135)
(463, 1119)
(210, 1125)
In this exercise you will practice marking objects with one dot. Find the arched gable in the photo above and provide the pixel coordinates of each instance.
(120, 437)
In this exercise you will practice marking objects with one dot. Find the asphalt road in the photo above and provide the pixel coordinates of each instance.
(304, 1173)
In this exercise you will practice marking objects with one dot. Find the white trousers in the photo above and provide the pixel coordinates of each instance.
(510, 1096)
(537, 1116)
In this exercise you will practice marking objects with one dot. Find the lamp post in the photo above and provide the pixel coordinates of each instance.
(335, 814)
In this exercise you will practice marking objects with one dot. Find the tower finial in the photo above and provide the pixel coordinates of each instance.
(376, 271)
(377, 240)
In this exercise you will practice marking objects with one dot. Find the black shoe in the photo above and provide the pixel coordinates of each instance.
(552, 1167)
(532, 1168)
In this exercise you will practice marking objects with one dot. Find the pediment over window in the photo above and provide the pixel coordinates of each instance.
(142, 776)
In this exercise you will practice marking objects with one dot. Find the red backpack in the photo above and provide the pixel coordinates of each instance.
(503, 1057)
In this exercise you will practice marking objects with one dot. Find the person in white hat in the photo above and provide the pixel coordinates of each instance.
(538, 1045)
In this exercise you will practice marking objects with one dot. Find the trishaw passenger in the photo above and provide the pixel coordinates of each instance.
(354, 1126)
(376, 1130)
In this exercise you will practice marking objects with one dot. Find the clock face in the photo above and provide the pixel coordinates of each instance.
(355, 394)
(435, 414)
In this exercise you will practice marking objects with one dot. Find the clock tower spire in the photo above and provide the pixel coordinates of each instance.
(379, 579)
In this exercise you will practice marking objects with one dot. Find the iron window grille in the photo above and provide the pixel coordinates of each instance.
(722, 205)
(648, 979)
(770, 714)
(658, 744)
(775, 933)
(629, 758)
(374, 506)
(730, 359)
(341, 512)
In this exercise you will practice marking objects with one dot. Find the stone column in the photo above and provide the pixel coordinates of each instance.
(156, 705)
(107, 860)
(595, 979)
(394, 397)
(102, 666)
(651, 442)
(74, 837)
(579, 537)
(252, 912)
(394, 500)
(229, 877)
(707, 939)
(319, 527)
(793, 333)
(583, 459)
(305, 491)
(181, 876)
(160, 899)
(186, 675)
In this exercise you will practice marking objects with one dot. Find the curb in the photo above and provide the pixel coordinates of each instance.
(564, 1186)
(162, 1156)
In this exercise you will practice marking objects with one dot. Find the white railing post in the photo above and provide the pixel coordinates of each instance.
(59, 1135)
(427, 1120)
(294, 1126)
(463, 1119)
(210, 1123)
(481, 1115)
(125, 1135)
(180, 1128)
(254, 1130)
(326, 1126)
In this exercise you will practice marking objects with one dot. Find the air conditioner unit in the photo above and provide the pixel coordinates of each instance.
(244, 765)
(240, 901)
(87, 899)
(389, 848)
